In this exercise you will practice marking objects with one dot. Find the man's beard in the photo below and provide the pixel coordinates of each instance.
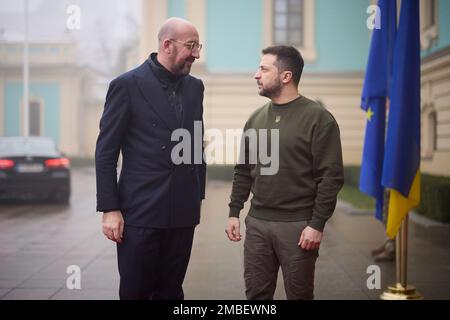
(271, 91)
(183, 67)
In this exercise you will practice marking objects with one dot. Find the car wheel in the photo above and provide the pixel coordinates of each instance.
(61, 198)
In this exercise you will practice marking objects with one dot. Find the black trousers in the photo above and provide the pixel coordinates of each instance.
(153, 262)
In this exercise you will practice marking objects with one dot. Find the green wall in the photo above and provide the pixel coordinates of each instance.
(176, 8)
(234, 35)
(49, 93)
(342, 36)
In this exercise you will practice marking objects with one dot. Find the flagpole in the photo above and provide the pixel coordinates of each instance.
(401, 290)
(26, 98)
(402, 278)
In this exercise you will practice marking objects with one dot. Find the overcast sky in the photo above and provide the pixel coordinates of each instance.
(104, 23)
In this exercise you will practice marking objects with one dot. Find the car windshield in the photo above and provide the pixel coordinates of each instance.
(30, 147)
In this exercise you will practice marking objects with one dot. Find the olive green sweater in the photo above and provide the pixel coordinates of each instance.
(310, 172)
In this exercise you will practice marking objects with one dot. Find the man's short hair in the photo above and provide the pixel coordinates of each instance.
(288, 59)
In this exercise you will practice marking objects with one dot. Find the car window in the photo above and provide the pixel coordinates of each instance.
(31, 147)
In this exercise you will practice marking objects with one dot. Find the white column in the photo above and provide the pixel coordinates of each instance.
(196, 13)
(154, 13)
(309, 38)
(267, 23)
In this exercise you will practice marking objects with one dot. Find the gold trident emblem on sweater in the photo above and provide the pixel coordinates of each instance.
(277, 119)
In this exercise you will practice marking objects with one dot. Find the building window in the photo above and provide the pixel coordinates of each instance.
(287, 26)
(428, 22)
(430, 14)
(429, 137)
(291, 22)
(35, 118)
(432, 131)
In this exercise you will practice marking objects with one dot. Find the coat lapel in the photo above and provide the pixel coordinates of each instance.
(186, 99)
(150, 88)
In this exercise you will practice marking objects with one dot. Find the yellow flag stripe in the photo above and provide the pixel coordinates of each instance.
(399, 206)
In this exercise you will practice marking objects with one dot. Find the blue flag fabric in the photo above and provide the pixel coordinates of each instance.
(372, 161)
(376, 88)
(401, 167)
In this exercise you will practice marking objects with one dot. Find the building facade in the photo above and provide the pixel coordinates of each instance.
(61, 103)
(333, 38)
(66, 100)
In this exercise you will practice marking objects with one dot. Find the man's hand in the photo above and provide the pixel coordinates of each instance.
(310, 239)
(113, 226)
(233, 229)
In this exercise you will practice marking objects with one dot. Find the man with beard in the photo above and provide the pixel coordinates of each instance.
(289, 209)
(152, 211)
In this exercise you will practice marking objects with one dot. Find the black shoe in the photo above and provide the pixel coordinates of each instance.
(378, 250)
(385, 256)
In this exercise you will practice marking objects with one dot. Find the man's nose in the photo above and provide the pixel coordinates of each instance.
(257, 75)
(196, 54)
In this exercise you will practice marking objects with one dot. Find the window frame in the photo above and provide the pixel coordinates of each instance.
(307, 49)
(41, 104)
(428, 27)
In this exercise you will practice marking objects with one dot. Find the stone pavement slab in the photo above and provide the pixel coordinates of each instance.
(39, 242)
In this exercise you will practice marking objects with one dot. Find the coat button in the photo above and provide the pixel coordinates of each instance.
(163, 147)
(153, 124)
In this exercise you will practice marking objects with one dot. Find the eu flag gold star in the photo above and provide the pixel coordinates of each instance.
(369, 114)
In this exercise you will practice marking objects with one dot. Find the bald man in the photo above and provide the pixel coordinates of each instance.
(152, 211)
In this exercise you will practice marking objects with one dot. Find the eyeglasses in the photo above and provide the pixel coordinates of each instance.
(191, 45)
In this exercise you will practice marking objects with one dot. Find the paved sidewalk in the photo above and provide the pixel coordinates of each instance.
(39, 242)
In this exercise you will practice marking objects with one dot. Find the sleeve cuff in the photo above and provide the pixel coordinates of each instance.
(234, 212)
(109, 210)
(317, 224)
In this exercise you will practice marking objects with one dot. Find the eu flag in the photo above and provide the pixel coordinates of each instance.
(373, 101)
(401, 168)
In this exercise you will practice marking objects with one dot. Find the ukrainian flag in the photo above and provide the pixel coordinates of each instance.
(376, 88)
(401, 167)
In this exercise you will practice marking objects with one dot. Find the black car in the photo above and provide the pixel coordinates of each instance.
(32, 168)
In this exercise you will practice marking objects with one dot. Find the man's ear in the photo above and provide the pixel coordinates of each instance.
(166, 46)
(286, 76)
